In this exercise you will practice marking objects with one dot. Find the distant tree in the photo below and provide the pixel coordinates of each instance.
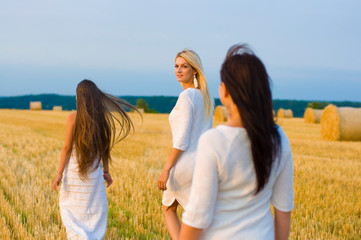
(317, 105)
(141, 103)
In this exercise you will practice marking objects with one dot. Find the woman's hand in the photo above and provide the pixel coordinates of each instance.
(56, 181)
(108, 178)
(162, 180)
(172, 160)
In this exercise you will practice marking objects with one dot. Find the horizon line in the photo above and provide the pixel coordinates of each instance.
(281, 99)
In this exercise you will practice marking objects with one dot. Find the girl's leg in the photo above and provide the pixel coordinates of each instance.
(171, 220)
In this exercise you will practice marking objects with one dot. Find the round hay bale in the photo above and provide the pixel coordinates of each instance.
(57, 108)
(312, 115)
(220, 114)
(343, 123)
(35, 105)
(284, 113)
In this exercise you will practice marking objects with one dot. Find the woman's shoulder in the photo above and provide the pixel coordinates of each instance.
(222, 134)
(282, 134)
(190, 92)
(285, 143)
(194, 96)
(71, 118)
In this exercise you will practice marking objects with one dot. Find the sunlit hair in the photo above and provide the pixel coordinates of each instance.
(248, 83)
(195, 61)
(101, 121)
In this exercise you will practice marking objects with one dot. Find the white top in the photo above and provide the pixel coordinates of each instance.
(222, 200)
(187, 122)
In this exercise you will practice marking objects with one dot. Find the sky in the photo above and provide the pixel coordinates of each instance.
(311, 49)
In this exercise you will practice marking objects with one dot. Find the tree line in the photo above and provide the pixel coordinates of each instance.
(156, 104)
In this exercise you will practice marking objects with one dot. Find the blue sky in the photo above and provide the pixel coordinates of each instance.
(311, 49)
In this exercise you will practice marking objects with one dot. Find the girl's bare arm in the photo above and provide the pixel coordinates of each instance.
(67, 148)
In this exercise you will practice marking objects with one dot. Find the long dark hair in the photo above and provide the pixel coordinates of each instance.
(97, 118)
(248, 83)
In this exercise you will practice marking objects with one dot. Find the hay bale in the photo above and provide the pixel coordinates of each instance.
(343, 123)
(220, 114)
(284, 113)
(57, 108)
(312, 115)
(35, 105)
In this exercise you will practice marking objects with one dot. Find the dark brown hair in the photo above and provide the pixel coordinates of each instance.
(97, 118)
(247, 81)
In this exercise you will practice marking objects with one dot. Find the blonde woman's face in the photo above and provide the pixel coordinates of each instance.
(184, 71)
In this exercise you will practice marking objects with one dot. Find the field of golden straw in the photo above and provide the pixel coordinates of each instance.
(327, 179)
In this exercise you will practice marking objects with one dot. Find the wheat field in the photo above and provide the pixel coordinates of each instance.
(327, 179)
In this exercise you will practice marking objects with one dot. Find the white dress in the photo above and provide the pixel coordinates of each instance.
(83, 204)
(187, 122)
(222, 200)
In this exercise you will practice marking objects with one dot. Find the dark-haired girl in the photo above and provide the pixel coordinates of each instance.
(84, 161)
(243, 166)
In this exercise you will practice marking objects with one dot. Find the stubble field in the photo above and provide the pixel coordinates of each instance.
(327, 179)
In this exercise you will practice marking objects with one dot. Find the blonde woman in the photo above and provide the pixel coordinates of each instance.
(191, 116)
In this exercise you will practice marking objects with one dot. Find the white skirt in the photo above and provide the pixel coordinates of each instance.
(83, 204)
(180, 180)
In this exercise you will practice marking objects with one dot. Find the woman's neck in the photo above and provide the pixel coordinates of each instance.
(234, 118)
(187, 85)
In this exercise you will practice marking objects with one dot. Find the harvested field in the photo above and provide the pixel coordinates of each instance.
(327, 179)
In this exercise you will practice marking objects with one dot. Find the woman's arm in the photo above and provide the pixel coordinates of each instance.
(67, 148)
(199, 212)
(172, 160)
(181, 128)
(106, 175)
(282, 194)
(282, 223)
(190, 233)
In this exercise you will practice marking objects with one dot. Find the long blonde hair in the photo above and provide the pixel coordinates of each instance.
(195, 61)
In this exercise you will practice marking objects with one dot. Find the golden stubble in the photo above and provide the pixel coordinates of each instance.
(327, 179)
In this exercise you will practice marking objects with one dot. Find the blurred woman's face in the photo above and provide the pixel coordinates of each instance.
(184, 71)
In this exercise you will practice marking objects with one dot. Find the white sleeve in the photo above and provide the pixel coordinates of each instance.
(282, 195)
(200, 208)
(183, 123)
